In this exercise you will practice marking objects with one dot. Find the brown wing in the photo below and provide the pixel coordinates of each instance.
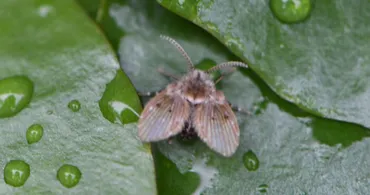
(163, 117)
(217, 126)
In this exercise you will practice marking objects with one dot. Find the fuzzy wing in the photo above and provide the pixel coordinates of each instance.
(163, 117)
(217, 126)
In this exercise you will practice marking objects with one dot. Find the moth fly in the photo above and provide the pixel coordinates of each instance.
(192, 100)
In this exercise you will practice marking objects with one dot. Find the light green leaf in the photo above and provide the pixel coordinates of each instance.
(62, 53)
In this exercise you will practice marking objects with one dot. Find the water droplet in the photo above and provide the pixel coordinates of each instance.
(69, 175)
(116, 100)
(34, 133)
(291, 11)
(251, 161)
(74, 105)
(262, 188)
(16, 173)
(257, 54)
(15, 94)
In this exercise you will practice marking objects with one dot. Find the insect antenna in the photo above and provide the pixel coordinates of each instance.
(230, 64)
(223, 75)
(180, 49)
(227, 64)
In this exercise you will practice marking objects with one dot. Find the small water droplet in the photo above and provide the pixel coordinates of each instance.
(251, 161)
(116, 99)
(69, 175)
(16, 173)
(291, 11)
(74, 105)
(258, 54)
(34, 133)
(262, 188)
(15, 94)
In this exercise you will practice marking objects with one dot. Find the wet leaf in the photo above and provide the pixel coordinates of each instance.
(297, 152)
(57, 47)
(320, 64)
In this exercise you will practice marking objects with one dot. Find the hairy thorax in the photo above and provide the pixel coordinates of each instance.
(196, 87)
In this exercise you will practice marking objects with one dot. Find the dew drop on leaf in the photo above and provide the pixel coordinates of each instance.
(262, 188)
(69, 175)
(34, 133)
(16, 173)
(74, 105)
(15, 94)
(291, 11)
(251, 161)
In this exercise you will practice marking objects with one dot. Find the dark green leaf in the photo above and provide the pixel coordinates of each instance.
(297, 152)
(321, 64)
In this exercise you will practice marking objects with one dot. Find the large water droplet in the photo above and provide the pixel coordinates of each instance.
(15, 94)
(262, 188)
(34, 133)
(69, 175)
(251, 161)
(74, 105)
(291, 11)
(16, 173)
(116, 99)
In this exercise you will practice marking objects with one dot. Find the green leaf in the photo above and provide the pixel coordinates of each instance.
(170, 180)
(63, 59)
(298, 153)
(320, 64)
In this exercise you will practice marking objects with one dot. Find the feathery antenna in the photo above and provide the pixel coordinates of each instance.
(227, 64)
(180, 49)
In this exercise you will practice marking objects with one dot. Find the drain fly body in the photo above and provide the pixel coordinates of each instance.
(192, 100)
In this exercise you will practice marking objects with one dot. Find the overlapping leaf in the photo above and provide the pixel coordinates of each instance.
(298, 153)
(321, 64)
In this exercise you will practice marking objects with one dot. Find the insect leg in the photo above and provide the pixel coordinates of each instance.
(153, 93)
(241, 110)
(148, 94)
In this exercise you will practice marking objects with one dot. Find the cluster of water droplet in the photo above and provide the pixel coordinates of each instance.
(15, 94)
